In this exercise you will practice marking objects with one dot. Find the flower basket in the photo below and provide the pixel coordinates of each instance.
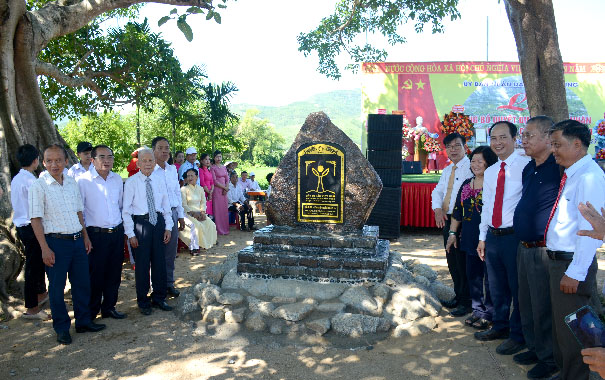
(459, 123)
(598, 137)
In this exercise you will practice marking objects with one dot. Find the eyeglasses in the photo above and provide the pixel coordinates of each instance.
(529, 136)
(105, 158)
(453, 146)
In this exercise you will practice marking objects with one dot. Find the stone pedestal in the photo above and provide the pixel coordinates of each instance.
(321, 256)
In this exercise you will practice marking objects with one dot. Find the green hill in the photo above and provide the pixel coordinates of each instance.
(343, 108)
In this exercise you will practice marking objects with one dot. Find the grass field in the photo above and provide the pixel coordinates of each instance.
(260, 172)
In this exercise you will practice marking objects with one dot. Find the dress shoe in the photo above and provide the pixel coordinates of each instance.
(460, 311)
(451, 304)
(555, 377)
(113, 314)
(171, 291)
(491, 334)
(509, 347)
(145, 310)
(161, 305)
(64, 337)
(526, 358)
(91, 327)
(542, 370)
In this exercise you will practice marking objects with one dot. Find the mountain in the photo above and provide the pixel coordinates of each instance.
(342, 107)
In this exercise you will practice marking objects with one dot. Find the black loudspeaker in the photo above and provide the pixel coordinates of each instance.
(412, 167)
(390, 177)
(384, 159)
(384, 123)
(385, 132)
(386, 214)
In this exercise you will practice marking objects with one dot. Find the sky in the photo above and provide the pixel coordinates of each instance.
(256, 48)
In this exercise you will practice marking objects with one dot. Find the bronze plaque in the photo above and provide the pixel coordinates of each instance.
(321, 183)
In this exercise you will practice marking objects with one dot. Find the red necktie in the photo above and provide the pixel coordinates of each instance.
(497, 214)
(554, 207)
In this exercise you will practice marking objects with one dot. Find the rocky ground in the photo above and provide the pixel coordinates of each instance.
(162, 346)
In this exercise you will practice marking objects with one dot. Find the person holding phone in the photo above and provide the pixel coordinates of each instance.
(573, 264)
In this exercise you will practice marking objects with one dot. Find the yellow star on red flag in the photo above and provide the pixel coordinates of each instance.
(420, 84)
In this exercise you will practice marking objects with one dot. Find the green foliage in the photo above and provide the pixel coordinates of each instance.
(262, 145)
(107, 128)
(343, 107)
(181, 19)
(339, 32)
(217, 116)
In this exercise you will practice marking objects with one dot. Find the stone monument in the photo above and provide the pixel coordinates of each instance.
(322, 194)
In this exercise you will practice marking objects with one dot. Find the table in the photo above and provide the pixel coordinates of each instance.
(256, 200)
(416, 208)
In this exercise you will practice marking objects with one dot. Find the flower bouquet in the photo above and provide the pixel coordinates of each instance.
(431, 145)
(408, 131)
(457, 122)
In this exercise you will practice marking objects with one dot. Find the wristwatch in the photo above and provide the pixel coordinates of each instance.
(452, 232)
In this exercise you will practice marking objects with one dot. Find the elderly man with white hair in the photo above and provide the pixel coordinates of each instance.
(148, 224)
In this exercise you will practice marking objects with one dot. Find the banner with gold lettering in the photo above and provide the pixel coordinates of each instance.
(488, 91)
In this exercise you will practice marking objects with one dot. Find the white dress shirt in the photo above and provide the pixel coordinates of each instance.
(19, 189)
(57, 205)
(77, 170)
(513, 187)
(235, 194)
(102, 199)
(170, 177)
(463, 172)
(585, 183)
(244, 186)
(184, 167)
(254, 186)
(135, 201)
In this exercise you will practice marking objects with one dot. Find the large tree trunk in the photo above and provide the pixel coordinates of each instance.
(535, 30)
(23, 114)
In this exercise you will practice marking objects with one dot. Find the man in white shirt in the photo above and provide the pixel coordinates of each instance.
(148, 224)
(168, 174)
(443, 198)
(238, 203)
(254, 186)
(573, 264)
(102, 191)
(84, 150)
(35, 286)
(502, 190)
(55, 209)
(190, 158)
(244, 182)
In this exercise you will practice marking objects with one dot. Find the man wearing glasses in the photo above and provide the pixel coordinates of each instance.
(443, 199)
(541, 178)
(101, 191)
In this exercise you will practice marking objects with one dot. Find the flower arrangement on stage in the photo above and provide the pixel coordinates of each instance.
(598, 134)
(457, 122)
(404, 152)
(408, 131)
(431, 145)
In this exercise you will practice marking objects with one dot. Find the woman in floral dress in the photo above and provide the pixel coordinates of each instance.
(206, 181)
(467, 214)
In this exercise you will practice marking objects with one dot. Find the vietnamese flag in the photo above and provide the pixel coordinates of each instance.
(416, 99)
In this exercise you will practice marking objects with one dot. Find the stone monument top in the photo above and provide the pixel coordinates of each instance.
(324, 181)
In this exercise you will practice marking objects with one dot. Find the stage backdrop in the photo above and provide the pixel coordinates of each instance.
(488, 91)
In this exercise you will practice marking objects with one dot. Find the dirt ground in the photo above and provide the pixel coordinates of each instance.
(161, 346)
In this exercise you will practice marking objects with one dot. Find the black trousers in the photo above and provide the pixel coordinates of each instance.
(565, 347)
(105, 268)
(34, 266)
(245, 212)
(456, 263)
(149, 255)
(534, 301)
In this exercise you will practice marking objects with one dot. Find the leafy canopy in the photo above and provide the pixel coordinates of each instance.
(339, 32)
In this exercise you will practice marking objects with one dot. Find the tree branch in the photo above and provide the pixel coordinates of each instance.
(45, 68)
(77, 67)
(62, 17)
(342, 27)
